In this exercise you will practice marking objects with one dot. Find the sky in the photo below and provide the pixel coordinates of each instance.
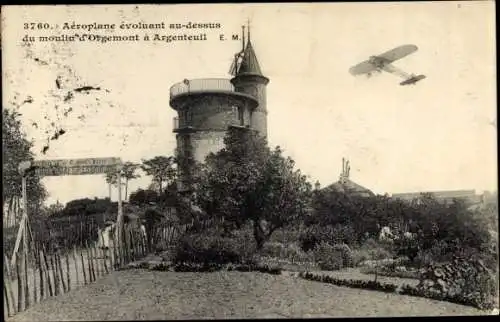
(437, 135)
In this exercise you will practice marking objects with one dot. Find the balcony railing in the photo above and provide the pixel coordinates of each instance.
(201, 85)
(179, 124)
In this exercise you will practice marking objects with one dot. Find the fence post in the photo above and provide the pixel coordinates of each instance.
(40, 270)
(132, 245)
(97, 260)
(60, 271)
(89, 264)
(54, 274)
(8, 286)
(6, 298)
(76, 267)
(9, 293)
(94, 262)
(83, 267)
(68, 275)
(26, 279)
(47, 274)
(20, 286)
(35, 265)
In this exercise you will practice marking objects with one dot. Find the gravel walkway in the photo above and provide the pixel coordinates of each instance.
(141, 294)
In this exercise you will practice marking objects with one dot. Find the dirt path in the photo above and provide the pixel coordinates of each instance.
(141, 294)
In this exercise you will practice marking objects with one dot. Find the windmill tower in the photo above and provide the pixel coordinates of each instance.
(207, 108)
(248, 79)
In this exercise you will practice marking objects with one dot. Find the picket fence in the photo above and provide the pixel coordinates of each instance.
(43, 274)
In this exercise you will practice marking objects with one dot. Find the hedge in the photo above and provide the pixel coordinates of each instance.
(405, 289)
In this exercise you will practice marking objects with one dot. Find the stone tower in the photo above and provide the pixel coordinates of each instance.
(249, 80)
(208, 107)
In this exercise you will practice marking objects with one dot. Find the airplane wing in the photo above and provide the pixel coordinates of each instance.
(398, 52)
(396, 71)
(362, 68)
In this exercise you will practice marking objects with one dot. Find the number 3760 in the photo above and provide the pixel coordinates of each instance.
(34, 25)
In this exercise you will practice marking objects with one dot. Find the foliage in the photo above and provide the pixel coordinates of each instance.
(152, 218)
(129, 173)
(371, 249)
(333, 257)
(211, 247)
(454, 225)
(85, 207)
(391, 272)
(16, 149)
(143, 197)
(246, 181)
(316, 234)
(404, 289)
(465, 278)
(290, 252)
(161, 169)
(370, 285)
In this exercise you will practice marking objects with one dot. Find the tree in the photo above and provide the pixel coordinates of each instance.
(111, 179)
(129, 170)
(161, 169)
(246, 181)
(15, 149)
(144, 197)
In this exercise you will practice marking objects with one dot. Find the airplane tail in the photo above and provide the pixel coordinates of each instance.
(412, 80)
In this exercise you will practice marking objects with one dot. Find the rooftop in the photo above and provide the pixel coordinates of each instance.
(201, 86)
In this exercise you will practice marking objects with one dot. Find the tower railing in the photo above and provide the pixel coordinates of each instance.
(201, 85)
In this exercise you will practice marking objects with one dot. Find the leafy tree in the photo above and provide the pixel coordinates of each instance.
(161, 169)
(143, 197)
(15, 149)
(246, 181)
(112, 180)
(129, 173)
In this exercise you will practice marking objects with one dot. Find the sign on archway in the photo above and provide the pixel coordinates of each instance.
(65, 167)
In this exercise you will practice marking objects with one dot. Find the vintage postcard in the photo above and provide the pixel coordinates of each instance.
(230, 161)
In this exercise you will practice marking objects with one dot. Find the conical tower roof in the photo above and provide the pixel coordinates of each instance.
(249, 63)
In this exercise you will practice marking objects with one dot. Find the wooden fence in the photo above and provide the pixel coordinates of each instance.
(53, 271)
(43, 274)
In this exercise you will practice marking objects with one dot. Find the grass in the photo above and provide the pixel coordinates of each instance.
(141, 294)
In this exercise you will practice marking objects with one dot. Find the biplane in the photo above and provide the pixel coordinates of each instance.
(384, 62)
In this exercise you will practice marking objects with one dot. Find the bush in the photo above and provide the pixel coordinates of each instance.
(287, 235)
(390, 272)
(333, 257)
(290, 252)
(210, 247)
(371, 250)
(466, 280)
(316, 234)
(369, 285)
(404, 289)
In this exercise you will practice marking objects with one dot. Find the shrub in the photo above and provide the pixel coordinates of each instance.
(290, 252)
(390, 272)
(211, 247)
(466, 280)
(289, 234)
(316, 234)
(371, 250)
(333, 257)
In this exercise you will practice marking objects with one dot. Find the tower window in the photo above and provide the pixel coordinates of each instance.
(241, 115)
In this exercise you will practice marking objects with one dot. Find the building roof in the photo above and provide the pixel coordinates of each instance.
(469, 194)
(351, 188)
(348, 186)
(249, 63)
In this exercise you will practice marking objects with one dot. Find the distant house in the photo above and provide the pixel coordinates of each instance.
(469, 196)
(346, 185)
